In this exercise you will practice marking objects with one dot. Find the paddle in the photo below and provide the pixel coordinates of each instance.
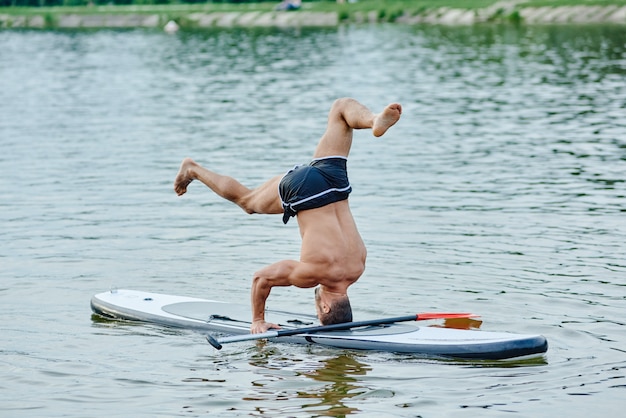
(217, 342)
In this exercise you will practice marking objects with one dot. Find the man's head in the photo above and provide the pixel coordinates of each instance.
(332, 308)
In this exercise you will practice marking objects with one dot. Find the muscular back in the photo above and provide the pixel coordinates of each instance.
(331, 241)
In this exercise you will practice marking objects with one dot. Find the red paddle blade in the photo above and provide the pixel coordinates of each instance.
(424, 316)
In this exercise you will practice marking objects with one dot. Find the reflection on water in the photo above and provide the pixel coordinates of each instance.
(340, 375)
(344, 378)
(340, 378)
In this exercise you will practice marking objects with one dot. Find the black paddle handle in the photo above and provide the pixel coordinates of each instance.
(344, 325)
(217, 343)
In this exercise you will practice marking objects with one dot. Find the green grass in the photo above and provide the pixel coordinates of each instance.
(385, 7)
(373, 5)
(148, 9)
(386, 10)
(556, 3)
(389, 10)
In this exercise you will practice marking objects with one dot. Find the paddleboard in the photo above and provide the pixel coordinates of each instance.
(210, 316)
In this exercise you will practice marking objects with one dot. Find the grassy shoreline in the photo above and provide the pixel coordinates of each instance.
(325, 13)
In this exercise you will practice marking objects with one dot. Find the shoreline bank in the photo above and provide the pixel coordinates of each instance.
(504, 12)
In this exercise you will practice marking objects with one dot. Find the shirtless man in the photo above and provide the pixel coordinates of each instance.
(332, 254)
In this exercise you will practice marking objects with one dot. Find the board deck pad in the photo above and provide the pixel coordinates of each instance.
(207, 311)
(210, 316)
(220, 312)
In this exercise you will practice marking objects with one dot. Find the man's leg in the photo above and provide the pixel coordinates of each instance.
(346, 115)
(263, 199)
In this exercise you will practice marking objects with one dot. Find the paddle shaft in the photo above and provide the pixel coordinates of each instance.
(217, 342)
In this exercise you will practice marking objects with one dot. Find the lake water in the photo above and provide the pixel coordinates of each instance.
(502, 191)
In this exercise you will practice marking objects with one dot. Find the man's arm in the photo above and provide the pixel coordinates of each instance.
(282, 273)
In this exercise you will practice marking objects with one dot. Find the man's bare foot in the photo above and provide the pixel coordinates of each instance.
(386, 119)
(184, 176)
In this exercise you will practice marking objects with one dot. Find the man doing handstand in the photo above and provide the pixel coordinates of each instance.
(332, 253)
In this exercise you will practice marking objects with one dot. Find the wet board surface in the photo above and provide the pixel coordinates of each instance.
(208, 311)
(226, 318)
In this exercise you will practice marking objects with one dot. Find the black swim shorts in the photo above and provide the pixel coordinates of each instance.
(319, 183)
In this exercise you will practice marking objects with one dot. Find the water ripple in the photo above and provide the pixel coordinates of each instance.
(502, 191)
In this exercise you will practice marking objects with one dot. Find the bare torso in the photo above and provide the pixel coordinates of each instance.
(331, 242)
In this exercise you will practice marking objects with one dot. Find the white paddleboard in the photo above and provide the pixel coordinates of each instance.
(234, 319)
